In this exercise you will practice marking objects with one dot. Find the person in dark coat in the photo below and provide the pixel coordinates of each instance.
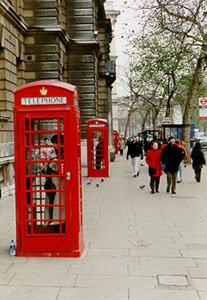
(171, 157)
(135, 151)
(153, 161)
(198, 159)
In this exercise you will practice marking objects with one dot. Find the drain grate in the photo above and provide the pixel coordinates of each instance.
(178, 280)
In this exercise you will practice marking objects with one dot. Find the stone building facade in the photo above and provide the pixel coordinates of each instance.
(67, 40)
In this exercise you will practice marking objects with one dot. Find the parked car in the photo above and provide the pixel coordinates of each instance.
(203, 143)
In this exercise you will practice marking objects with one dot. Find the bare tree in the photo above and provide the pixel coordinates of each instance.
(155, 71)
(186, 21)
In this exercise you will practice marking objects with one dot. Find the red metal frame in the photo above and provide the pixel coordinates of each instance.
(48, 182)
(116, 136)
(97, 148)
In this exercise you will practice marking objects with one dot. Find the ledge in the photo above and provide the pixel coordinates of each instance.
(4, 118)
(6, 160)
(52, 29)
(8, 10)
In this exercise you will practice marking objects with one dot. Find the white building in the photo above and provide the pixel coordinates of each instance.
(113, 14)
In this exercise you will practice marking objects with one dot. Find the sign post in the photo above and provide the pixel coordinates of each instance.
(202, 108)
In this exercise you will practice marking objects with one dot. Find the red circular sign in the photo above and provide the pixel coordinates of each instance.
(203, 101)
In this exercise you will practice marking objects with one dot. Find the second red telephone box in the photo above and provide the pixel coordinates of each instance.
(97, 148)
(48, 170)
(116, 137)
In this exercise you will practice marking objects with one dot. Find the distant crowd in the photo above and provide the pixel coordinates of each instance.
(168, 156)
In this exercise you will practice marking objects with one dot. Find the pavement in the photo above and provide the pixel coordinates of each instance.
(138, 245)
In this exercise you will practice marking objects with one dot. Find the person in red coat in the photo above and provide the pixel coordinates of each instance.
(153, 161)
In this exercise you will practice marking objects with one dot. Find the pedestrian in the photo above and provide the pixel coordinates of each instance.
(135, 151)
(198, 159)
(155, 168)
(171, 157)
(180, 144)
(121, 145)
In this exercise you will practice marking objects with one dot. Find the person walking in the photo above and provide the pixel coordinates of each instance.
(155, 168)
(180, 144)
(135, 151)
(198, 159)
(171, 157)
(121, 145)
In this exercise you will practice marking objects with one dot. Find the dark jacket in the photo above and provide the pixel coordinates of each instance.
(135, 149)
(198, 158)
(172, 156)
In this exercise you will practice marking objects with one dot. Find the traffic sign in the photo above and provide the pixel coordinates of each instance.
(203, 101)
(166, 120)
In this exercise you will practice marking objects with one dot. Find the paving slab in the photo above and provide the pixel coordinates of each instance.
(136, 294)
(137, 270)
(200, 284)
(115, 282)
(31, 293)
(42, 280)
(203, 295)
(93, 293)
(198, 272)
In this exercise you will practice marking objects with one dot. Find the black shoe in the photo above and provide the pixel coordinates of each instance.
(179, 181)
(168, 190)
(152, 192)
(138, 173)
(157, 191)
(173, 192)
(135, 176)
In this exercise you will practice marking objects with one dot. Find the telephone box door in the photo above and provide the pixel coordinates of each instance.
(45, 185)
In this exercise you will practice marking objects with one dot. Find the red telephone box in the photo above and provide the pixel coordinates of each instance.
(116, 140)
(48, 170)
(97, 148)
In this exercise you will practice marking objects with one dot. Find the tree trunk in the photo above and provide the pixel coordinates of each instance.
(127, 125)
(144, 120)
(155, 113)
(197, 78)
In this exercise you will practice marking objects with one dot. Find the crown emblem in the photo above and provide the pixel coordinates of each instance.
(43, 91)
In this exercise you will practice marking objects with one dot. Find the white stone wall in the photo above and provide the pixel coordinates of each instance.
(112, 13)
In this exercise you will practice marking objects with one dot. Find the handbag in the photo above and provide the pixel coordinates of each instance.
(152, 171)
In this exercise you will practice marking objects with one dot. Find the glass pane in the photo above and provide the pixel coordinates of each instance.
(45, 188)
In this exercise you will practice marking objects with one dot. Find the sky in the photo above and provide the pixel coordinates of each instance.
(127, 23)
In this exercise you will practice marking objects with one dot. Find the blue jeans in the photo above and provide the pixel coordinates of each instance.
(180, 171)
